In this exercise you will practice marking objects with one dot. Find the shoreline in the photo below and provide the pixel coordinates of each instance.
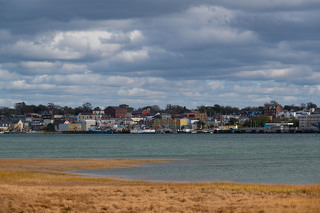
(78, 167)
(42, 185)
(124, 174)
(240, 131)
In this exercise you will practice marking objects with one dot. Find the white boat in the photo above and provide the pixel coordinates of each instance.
(143, 131)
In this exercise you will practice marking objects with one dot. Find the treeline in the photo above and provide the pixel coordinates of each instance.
(50, 108)
(216, 109)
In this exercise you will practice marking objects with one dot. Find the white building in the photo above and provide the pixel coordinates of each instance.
(88, 116)
(86, 124)
(309, 121)
(302, 113)
(287, 114)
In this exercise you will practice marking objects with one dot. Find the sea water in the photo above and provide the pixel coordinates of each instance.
(246, 158)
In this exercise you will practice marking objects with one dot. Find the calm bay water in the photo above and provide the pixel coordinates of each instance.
(247, 158)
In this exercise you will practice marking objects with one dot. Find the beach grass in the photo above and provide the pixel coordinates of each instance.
(43, 185)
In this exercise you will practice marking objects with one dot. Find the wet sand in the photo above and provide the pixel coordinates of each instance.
(42, 185)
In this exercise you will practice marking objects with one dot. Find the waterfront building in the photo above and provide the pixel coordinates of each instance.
(251, 114)
(115, 112)
(302, 113)
(4, 128)
(309, 121)
(71, 127)
(170, 123)
(88, 116)
(228, 127)
(272, 109)
(13, 125)
(86, 124)
(280, 126)
(36, 125)
(200, 115)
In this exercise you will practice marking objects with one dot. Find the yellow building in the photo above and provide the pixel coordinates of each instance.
(170, 123)
(18, 126)
(4, 128)
(74, 127)
(235, 127)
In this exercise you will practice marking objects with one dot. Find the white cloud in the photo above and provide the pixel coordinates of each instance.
(23, 85)
(38, 64)
(214, 85)
(31, 49)
(259, 100)
(138, 92)
(266, 74)
(136, 36)
(204, 25)
(290, 99)
(133, 56)
(150, 90)
(68, 45)
(293, 73)
(5, 75)
(52, 68)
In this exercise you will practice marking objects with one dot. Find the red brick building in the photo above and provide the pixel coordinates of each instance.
(140, 112)
(115, 112)
(200, 116)
(272, 110)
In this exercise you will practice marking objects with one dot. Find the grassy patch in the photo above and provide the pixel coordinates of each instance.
(33, 186)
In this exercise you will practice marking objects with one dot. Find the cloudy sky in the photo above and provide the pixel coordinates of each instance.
(143, 52)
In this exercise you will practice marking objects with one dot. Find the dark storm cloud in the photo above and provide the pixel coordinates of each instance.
(20, 10)
(16, 13)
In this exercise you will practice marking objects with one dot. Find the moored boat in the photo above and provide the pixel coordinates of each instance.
(143, 131)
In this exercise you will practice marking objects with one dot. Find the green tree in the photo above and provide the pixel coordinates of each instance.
(176, 109)
(311, 105)
(20, 108)
(6, 111)
(87, 106)
(217, 108)
(127, 107)
(257, 121)
(151, 108)
(202, 109)
(40, 108)
(78, 110)
(295, 122)
(50, 128)
(201, 124)
(233, 121)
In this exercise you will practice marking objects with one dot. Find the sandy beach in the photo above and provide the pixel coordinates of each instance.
(43, 185)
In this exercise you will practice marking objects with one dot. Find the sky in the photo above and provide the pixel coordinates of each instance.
(147, 52)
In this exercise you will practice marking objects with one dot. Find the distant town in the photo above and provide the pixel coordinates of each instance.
(271, 117)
